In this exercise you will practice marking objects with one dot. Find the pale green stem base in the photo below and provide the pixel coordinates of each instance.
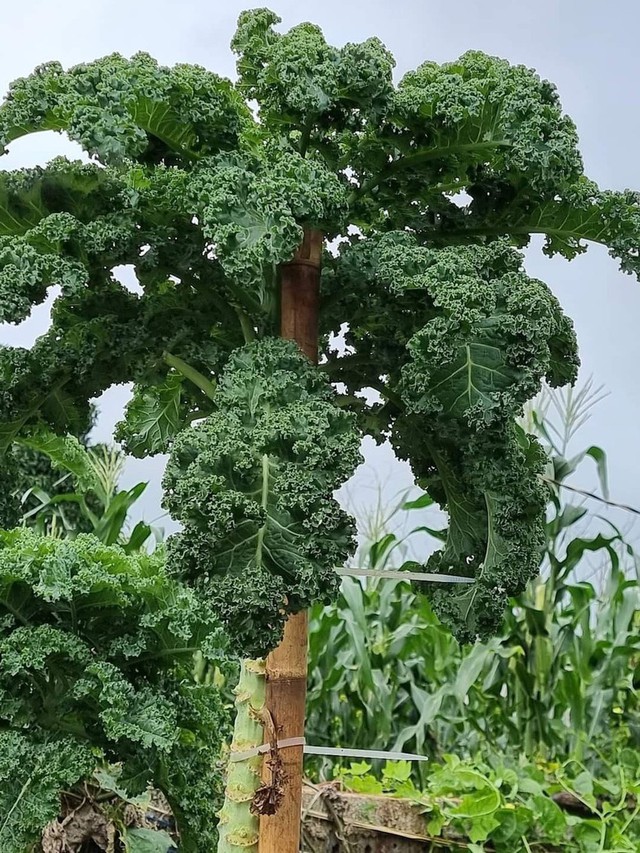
(238, 828)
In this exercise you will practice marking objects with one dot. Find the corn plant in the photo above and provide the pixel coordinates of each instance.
(559, 682)
(86, 496)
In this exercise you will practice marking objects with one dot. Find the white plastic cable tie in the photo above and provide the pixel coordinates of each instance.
(364, 753)
(266, 747)
(430, 577)
(340, 752)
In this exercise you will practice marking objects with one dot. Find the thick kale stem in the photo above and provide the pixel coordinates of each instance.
(239, 827)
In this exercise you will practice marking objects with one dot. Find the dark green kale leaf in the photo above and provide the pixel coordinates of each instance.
(299, 80)
(10, 485)
(154, 416)
(253, 486)
(119, 108)
(460, 339)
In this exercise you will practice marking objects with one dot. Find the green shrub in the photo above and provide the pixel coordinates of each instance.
(96, 663)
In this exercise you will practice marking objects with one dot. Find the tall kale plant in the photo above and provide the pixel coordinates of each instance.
(422, 192)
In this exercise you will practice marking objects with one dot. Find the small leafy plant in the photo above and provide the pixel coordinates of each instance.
(517, 807)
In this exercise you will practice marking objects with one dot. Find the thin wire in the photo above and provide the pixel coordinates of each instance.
(592, 496)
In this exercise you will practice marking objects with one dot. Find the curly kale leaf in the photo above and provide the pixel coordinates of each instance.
(25, 275)
(489, 483)
(252, 209)
(497, 133)
(253, 487)
(482, 116)
(153, 418)
(493, 336)
(469, 316)
(53, 223)
(33, 772)
(71, 192)
(458, 339)
(96, 660)
(67, 454)
(193, 781)
(578, 214)
(72, 225)
(119, 108)
(298, 79)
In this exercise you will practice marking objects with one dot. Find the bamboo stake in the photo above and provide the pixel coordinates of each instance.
(287, 665)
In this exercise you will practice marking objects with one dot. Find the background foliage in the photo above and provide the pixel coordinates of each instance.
(550, 705)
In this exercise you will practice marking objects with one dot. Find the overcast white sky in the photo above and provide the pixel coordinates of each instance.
(587, 47)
